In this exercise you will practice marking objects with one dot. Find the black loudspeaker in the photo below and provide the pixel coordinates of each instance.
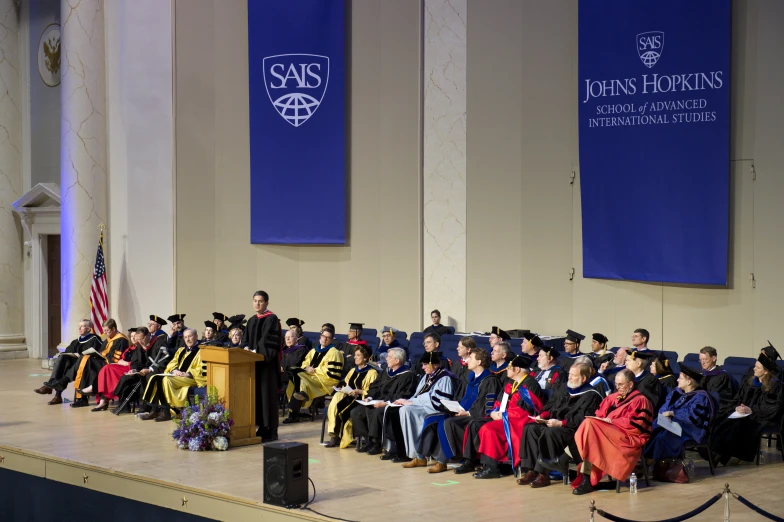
(285, 473)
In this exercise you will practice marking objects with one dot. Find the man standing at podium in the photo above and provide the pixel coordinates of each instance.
(263, 336)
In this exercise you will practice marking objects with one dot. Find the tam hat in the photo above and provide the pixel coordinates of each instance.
(692, 374)
(574, 336)
(500, 333)
(600, 338)
(663, 359)
(550, 350)
(220, 316)
(521, 361)
(293, 321)
(609, 356)
(536, 341)
(158, 320)
(210, 324)
(176, 317)
(528, 334)
(236, 319)
(768, 363)
(132, 330)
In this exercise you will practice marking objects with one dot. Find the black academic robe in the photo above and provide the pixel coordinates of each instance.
(389, 386)
(668, 382)
(470, 437)
(461, 371)
(175, 342)
(134, 385)
(439, 329)
(741, 437)
(292, 358)
(92, 366)
(721, 384)
(550, 379)
(568, 406)
(222, 336)
(157, 340)
(64, 363)
(263, 336)
(566, 360)
(649, 385)
(305, 341)
(451, 431)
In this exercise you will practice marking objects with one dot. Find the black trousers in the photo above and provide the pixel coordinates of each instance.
(540, 441)
(62, 367)
(367, 421)
(394, 431)
(471, 447)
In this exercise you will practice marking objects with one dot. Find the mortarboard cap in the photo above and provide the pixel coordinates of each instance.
(357, 327)
(535, 341)
(210, 324)
(771, 352)
(220, 316)
(767, 363)
(236, 318)
(500, 333)
(644, 355)
(293, 321)
(574, 336)
(604, 359)
(176, 317)
(521, 361)
(431, 358)
(692, 374)
(158, 320)
(600, 338)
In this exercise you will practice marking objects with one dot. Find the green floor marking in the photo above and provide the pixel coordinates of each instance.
(448, 483)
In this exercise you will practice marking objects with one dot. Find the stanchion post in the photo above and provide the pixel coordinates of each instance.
(593, 509)
(726, 503)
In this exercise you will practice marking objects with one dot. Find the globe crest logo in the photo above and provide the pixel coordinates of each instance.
(649, 47)
(296, 84)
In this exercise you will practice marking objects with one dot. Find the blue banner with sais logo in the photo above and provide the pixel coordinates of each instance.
(297, 121)
(654, 98)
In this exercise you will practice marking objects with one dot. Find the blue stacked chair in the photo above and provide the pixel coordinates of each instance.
(416, 345)
(401, 335)
(449, 346)
(692, 360)
(373, 343)
(341, 337)
(738, 366)
(450, 330)
(313, 336)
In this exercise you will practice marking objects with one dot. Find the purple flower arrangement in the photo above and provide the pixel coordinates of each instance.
(203, 426)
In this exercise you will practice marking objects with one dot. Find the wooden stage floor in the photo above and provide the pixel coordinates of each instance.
(349, 485)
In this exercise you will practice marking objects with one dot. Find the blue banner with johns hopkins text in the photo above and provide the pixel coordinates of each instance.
(654, 98)
(297, 121)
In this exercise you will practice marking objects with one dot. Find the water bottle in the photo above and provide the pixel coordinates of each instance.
(633, 484)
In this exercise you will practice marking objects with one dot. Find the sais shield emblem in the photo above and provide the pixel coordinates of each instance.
(296, 84)
(649, 47)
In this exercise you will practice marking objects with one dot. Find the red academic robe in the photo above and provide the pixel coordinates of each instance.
(110, 375)
(615, 448)
(497, 437)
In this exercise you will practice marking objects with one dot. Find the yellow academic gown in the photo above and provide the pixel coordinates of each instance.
(84, 359)
(175, 389)
(320, 383)
(341, 404)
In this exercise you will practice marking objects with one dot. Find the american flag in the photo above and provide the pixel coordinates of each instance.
(99, 302)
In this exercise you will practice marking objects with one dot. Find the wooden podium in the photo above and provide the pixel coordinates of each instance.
(233, 373)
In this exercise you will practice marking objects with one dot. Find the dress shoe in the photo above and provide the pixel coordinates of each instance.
(147, 416)
(44, 390)
(438, 467)
(415, 463)
(527, 478)
(299, 396)
(401, 460)
(583, 488)
(82, 392)
(56, 400)
(163, 416)
(374, 448)
(81, 402)
(465, 467)
(101, 408)
(542, 481)
(487, 473)
(290, 420)
(387, 456)
(362, 445)
(333, 442)
(561, 464)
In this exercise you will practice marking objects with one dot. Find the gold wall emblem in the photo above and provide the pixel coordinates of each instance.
(49, 55)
